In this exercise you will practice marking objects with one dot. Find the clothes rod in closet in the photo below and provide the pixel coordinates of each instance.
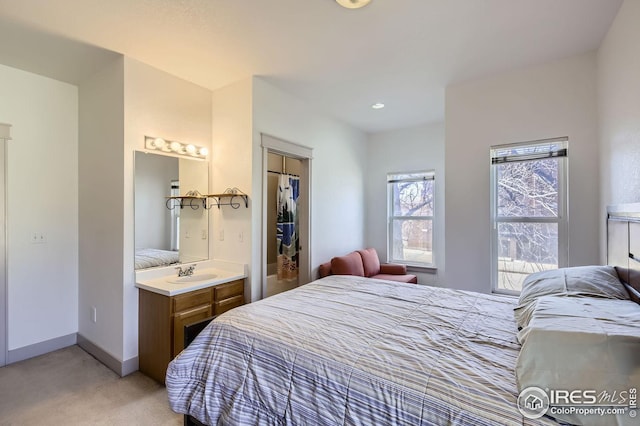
(280, 173)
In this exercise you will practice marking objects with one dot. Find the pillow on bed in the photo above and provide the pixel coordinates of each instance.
(574, 343)
(590, 281)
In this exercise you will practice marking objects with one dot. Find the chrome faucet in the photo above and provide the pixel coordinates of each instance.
(186, 272)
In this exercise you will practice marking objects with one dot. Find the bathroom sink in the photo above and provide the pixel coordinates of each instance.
(195, 278)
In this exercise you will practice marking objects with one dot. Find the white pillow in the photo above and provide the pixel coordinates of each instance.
(590, 281)
(582, 344)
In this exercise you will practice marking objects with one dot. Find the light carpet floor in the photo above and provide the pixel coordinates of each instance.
(70, 387)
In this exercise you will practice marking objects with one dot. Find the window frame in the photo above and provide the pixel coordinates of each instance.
(561, 219)
(391, 217)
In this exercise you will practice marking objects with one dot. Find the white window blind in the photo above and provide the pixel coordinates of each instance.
(528, 210)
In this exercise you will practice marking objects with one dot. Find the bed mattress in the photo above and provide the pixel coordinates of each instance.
(355, 351)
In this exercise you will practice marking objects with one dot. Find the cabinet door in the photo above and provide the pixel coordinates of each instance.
(181, 319)
(155, 323)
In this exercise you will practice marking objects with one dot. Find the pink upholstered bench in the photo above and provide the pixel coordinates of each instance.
(365, 263)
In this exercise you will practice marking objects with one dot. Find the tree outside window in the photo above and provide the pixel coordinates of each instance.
(528, 211)
(410, 214)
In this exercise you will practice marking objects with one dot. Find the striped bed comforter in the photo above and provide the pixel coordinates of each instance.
(354, 351)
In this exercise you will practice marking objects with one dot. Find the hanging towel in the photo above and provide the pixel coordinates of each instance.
(287, 227)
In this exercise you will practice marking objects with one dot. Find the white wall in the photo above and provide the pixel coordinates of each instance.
(101, 176)
(619, 112)
(231, 167)
(339, 172)
(550, 100)
(42, 197)
(413, 149)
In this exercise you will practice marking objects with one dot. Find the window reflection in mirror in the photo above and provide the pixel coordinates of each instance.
(166, 236)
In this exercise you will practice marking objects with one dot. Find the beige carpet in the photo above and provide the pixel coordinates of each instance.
(70, 387)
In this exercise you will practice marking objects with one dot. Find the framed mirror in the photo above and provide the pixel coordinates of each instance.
(167, 233)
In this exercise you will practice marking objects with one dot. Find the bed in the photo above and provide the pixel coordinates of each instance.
(349, 350)
(150, 258)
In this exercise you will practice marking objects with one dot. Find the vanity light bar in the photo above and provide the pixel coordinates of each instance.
(175, 147)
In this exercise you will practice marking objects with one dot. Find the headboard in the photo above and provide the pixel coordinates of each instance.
(623, 245)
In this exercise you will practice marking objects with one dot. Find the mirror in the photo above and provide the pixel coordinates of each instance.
(166, 234)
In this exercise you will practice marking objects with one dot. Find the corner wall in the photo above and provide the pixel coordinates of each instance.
(550, 100)
(101, 175)
(619, 113)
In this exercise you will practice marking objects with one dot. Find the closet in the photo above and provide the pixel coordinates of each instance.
(283, 228)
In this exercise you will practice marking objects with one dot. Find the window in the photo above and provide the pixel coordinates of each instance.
(528, 210)
(410, 218)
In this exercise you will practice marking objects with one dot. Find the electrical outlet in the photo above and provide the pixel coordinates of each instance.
(94, 314)
(204, 234)
(221, 235)
(187, 234)
(38, 238)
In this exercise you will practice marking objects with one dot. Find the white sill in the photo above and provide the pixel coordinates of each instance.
(424, 269)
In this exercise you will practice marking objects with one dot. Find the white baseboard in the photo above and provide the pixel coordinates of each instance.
(37, 349)
(123, 368)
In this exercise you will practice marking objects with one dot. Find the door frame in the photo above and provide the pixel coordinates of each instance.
(5, 135)
(305, 155)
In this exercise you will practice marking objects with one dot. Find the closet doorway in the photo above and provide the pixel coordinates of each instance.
(286, 236)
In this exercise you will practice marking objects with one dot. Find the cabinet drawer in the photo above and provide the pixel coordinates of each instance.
(191, 299)
(184, 318)
(225, 291)
(226, 304)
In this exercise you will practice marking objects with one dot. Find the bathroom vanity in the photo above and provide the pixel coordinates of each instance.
(167, 303)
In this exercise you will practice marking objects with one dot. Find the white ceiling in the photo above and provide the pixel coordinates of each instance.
(400, 52)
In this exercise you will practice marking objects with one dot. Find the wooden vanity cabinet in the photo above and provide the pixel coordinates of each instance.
(161, 321)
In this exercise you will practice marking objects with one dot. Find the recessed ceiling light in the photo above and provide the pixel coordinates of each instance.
(353, 4)
(377, 105)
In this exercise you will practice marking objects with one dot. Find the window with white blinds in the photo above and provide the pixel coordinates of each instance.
(528, 210)
(410, 218)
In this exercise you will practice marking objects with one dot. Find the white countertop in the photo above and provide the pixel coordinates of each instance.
(159, 281)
